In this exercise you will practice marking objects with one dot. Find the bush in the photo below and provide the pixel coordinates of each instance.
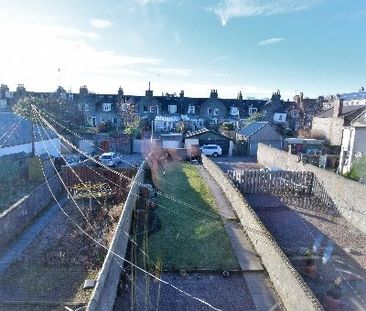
(358, 170)
(35, 173)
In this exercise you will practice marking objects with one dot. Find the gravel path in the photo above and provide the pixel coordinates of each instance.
(225, 293)
(298, 223)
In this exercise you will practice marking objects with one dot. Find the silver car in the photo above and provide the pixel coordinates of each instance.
(109, 159)
(211, 150)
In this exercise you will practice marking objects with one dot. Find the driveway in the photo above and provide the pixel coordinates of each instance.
(236, 163)
(128, 160)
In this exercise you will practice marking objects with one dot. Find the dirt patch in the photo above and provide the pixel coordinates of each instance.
(54, 267)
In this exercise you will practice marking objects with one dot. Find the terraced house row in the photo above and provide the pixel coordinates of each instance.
(167, 110)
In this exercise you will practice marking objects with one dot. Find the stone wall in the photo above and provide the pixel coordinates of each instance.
(330, 128)
(348, 195)
(105, 292)
(293, 291)
(20, 215)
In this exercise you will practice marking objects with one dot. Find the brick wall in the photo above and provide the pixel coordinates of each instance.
(348, 195)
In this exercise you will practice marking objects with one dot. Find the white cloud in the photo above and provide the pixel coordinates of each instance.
(36, 58)
(180, 72)
(101, 23)
(227, 9)
(143, 2)
(270, 41)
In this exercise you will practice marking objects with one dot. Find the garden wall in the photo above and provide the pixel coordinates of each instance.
(348, 195)
(21, 214)
(105, 292)
(293, 291)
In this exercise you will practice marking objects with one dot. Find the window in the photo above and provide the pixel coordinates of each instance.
(152, 109)
(114, 120)
(209, 111)
(90, 121)
(234, 111)
(192, 109)
(3, 103)
(252, 110)
(172, 108)
(107, 107)
(216, 111)
(86, 107)
(280, 117)
(145, 109)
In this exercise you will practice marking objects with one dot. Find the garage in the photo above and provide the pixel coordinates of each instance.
(207, 137)
(260, 132)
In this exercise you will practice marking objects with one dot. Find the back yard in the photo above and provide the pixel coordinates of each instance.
(191, 236)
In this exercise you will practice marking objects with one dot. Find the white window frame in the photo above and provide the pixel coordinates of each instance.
(216, 111)
(209, 110)
(91, 121)
(234, 111)
(86, 107)
(107, 107)
(191, 109)
(152, 109)
(252, 110)
(172, 109)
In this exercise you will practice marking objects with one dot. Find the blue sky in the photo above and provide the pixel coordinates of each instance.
(256, 46)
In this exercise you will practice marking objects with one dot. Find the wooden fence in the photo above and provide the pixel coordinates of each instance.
(282, 183)
(276, 182)
(118, 180)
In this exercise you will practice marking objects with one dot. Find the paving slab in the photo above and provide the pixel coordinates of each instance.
(262, 294)
(246, 255)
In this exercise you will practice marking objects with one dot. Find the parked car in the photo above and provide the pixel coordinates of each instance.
(109, 159)
(211, 150)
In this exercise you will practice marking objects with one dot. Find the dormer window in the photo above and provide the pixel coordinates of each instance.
(192, 109)
(252, 110)
(107, 107)
(234, 111)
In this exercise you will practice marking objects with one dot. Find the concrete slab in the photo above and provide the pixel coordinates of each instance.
(262, 294)
(224, 207)
(246, 255)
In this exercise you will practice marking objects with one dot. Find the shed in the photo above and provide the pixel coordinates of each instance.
(171, 140)
(260, 132)
(206, 136)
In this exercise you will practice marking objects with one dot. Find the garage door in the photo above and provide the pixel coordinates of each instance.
(253, 147)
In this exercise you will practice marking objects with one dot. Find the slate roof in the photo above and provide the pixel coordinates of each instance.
(18, 131)
(354, 96)
(252, 128)
(203, 131)
(346, 111)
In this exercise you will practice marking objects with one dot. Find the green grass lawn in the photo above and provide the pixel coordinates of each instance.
(189, 239)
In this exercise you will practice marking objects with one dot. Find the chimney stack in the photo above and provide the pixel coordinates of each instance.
(213, 94)
(83, 90)
(338, 107)
(149, 92)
